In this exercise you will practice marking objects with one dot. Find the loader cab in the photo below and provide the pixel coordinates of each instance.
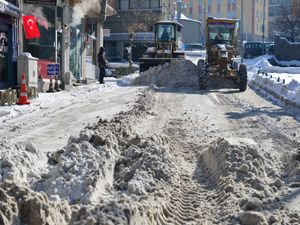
(167, 34)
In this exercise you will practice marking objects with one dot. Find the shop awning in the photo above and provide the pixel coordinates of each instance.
(9, 8)
(140, 37)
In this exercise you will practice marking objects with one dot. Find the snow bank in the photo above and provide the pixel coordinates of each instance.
(129, 79)
(293, 166)
(85, 167)
(104, 173)
(47, 100)
(287, 63)
(177, 73)
(21, 205)
(21, 162)
(247, 180)
(234, 162)
(283, 82)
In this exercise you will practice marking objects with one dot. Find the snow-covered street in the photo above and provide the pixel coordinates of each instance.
(53, 117)
(126, 154)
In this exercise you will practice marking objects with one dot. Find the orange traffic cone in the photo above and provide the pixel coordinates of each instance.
(23, 93)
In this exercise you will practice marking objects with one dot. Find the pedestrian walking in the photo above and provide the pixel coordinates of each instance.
(102, 63)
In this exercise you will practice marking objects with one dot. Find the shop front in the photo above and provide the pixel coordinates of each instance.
(9, 15)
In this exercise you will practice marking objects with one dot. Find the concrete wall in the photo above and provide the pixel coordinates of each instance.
(285, 50)
(191, 32)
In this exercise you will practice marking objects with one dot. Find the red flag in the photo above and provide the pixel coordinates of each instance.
(30, 27)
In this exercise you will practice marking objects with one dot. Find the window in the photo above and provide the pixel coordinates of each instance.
(138, 4)
(123, 4)
(134, 4)
(154, 4)
(166, 32)
(145, 4)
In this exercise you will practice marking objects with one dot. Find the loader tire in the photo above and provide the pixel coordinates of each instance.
(243, 77)
(144, 67)
(203, 78)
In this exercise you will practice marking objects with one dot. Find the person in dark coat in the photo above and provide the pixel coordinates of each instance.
(102, 63)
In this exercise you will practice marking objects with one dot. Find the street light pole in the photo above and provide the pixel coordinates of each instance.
(204, 11)
(242, 30)
(263, 27)
(131, 34)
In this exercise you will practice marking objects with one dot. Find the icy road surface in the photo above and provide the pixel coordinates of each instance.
(167, 156)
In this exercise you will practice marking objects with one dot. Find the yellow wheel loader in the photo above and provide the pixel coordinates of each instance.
(166, 34)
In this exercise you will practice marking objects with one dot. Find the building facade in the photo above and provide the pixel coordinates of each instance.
(71, 34)
(254, 14)
(132, 21)
(9, 20)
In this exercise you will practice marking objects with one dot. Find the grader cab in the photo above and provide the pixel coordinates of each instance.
(221, 48)
(165, 48)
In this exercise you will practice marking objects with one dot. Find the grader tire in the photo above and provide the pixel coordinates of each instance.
(243, 77)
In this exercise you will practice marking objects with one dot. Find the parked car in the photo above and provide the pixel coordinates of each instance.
(116, 62)
(117, 66)
(194, 49)
(269, 48)
(253, 49)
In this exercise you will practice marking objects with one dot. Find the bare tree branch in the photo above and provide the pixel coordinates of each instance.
(288, 20)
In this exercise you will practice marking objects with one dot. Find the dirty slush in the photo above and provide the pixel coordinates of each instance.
(111, 174)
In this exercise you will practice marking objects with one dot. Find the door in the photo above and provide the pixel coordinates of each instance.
(3, 55)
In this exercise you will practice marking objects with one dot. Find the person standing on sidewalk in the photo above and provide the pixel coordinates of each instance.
(102, 63)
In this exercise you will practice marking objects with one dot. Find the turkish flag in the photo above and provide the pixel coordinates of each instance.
(31, 28)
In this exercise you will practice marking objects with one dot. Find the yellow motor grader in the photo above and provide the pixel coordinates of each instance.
(166, 34)
(221, 64)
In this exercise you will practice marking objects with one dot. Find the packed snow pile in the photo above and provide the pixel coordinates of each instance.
(85, 167)
(244, 173)
(177, 73)
(21, 162)
(101, 176)
(129, 79)
(21, 205)
(234, 161)
(293, 166)
(132, 169)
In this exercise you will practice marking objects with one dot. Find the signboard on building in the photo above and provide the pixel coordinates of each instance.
(51, 69)
(106, 32)
(41, 2)
(8, 8)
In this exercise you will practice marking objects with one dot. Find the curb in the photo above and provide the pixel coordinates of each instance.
(281, 98)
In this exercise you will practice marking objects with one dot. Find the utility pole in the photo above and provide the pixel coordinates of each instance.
(263, 27)
(65, 43)
(242, 31)
(203, 20)
(131, 35)
(179, 9)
